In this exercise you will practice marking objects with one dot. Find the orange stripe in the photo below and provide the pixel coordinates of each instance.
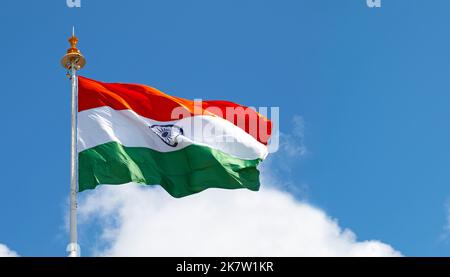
(152, 103)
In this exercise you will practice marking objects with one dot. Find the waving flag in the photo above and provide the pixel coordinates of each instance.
(135, 133)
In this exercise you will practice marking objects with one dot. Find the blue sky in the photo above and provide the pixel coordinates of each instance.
(371, 85)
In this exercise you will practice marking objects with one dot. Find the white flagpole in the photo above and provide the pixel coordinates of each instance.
(73, 61)
(73, 247)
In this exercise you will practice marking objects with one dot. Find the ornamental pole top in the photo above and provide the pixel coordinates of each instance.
(73, 59)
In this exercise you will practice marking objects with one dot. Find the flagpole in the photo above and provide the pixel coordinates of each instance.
(73, 61)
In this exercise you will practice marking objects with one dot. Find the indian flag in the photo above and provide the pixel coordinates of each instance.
(135, 133)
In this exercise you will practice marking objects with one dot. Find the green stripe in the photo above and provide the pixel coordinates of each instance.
(181, 173)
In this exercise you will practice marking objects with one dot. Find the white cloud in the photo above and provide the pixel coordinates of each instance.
(143, 221)
(6, 252)
(138, 221)
(292, 143)
(292, 149)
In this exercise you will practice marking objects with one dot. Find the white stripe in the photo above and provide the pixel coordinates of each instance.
(102, 125)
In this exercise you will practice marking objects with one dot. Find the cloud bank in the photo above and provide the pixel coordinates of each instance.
(140, 221)
(6, 252)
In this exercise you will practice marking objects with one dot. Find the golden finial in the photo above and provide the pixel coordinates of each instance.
(73, 56)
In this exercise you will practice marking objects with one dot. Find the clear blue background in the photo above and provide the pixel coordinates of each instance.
(371, 84)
